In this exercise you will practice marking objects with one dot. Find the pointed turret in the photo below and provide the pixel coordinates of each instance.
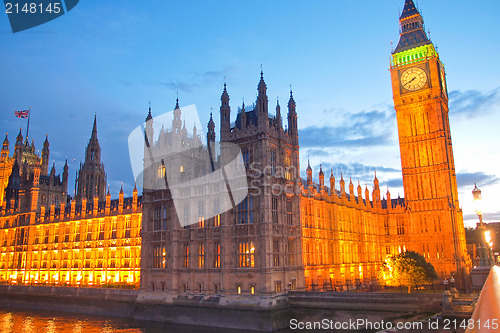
(94, 129)
(225, 114)
(65, 176)
(45, 156)
(375, 181)
(5, 150)
(211, 131)
(134, 198)
(342, 185)
(360, 193)
(6, 142)
(376, 192)
(321, 178)
(53, 170)
(120, 200)
(93, 151)
(148, 131)
(177, 122)
(243, 116)
(409, 9)
(351, 187)
(184, 131)
(91, 178)
(388, 196)
(332, 183)
(292, 119)
(149, 116)
(309, 173)
(107, 207)
(262, 103)
(278, 114)
(412, 33)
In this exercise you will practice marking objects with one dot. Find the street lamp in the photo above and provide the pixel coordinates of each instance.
(484, 249)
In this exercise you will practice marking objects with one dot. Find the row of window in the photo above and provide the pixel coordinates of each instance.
(246, 255)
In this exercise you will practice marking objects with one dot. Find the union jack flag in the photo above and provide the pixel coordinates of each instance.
(22, 114)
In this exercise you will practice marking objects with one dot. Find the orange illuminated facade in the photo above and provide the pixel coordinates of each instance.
(345, 235)
(47, 238)
(429, 179)
(73, 245)
(307, 236)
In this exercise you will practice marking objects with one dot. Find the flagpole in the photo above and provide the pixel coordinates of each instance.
(28, 127)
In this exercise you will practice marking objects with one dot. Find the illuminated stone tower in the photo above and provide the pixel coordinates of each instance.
(430, 185)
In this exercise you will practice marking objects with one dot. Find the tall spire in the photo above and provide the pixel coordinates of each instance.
(149, 117)
(94, 129)
(45, 156)
(211, 130)
(409, 9)
(412, 29)
(309, 173)
(292, 119)
(225, 113)
(262, 100)
(291, 101)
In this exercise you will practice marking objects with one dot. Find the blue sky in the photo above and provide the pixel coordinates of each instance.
(111, 58)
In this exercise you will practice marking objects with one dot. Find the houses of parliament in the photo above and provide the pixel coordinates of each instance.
(331, 235)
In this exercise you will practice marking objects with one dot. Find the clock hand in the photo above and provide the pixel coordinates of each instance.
(412, 79)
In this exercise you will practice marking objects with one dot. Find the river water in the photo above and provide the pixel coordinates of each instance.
(31, 321)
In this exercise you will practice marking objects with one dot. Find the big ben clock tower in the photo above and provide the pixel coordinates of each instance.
(429, 180)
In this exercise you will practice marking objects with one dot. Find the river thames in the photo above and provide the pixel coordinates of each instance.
(32, 321)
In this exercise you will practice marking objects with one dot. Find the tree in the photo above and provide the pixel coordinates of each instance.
(406, 269)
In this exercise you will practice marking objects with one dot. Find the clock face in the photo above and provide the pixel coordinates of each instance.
(443, 80)
(413, 78)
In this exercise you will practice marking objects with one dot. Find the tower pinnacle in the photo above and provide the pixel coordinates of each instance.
(412, 33)
(94, 129)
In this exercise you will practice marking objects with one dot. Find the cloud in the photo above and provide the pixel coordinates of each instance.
(474, 103)
(196, 80)
(177, 85)
(363, 129)
(396, 182)
(467, 179)
(356, 171)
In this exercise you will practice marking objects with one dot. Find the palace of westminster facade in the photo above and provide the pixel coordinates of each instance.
(308, 236)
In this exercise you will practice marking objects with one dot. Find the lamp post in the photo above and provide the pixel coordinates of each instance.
(480, 273)
(484, 249)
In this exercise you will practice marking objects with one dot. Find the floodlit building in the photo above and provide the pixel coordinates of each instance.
(198, 234)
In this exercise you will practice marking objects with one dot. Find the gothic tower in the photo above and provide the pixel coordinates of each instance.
(430, 185)
(91, 178)
(45, 156)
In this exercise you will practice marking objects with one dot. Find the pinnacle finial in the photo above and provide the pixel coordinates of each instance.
(94, 128)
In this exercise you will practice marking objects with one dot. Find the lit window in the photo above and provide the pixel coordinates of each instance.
(201, 256)
(246, 254)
